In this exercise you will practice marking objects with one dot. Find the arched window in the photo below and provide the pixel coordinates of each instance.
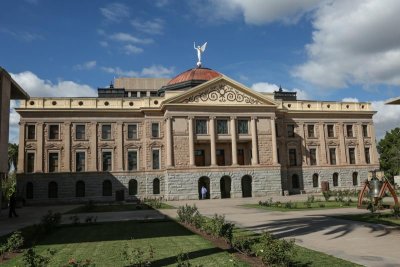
(295, 181)
(156, 186)
(107, 188)
(53, 190)
(355, 178)
(80, 189)
(29, 190)
(132, 187)
(315, 180)
(335, 179)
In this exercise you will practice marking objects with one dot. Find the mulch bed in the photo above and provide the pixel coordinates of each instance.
(222, 244)
(8, 256)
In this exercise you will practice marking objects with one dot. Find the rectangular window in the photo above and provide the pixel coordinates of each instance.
(156, 159)
(352, 155)
(292, 157)
(30, 132)
(155, 130)
(80, 132)
(54, 132)
(201, 126)
(107, 161)
(132, 131)
(331, 131)
(332, 156)
(310, 130)
(290, 130)
(276, 130)
(349, 130)
(365, 130)
(243, 126)
(222, 126)
(80, 161)
(132, 160)
(53, 162)
(106, 132)
(313, 156)
(367, 156)
(30, 162)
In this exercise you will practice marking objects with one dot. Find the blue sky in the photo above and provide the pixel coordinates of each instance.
(325, 50)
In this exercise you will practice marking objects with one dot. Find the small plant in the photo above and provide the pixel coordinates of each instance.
(80, 263)
(274, 251)
(75, 219)
(32, 259)
(310, 199)
(288, 205)
(50, 221)
(138, 257)
(321, 205)
(186, 214)
(308, 204)
(182, 260)
(244, 244)
(327, 195)
(15, 242)
(278, 204)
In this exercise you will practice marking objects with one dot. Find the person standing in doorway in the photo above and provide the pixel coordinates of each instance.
(12, 204)
(203, 192)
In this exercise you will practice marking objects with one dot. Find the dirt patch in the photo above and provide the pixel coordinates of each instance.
(221, 243)
(8, 256)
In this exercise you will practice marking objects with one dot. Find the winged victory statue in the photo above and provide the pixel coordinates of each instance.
(200, 50)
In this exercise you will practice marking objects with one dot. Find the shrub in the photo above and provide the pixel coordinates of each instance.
(80, 263)
(267, 203)
(396, 211)
(32, 259)
(278, 204)
(15, 242)
(321, 205)
(75, 219)
(153, 203)
(50, 221)
(307, 204)
(138, 257)
(275, 251)
(3, 251)
(327, 195)
(186, 213)
(182, 260)
(244, 244)
(310, 199)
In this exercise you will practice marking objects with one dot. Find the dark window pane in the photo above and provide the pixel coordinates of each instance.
(80, 161)
(313, 156)
(352, 156)
(315, 180)
(331, 132)
(80, 132)
(30, 132)
(365, 130)
(290, 130)
(295, 181)
(132, 131)
(222, 126)
(156, 186)
(106, 132)
(243, 126)
(107, 161)
(53, 162)
(310, 130)
(156, 159)
(332, 156)
(367, 156)
(355, 178)
(201, 127)
(132, 160)
(54, 132)
(155, 133)
(335, 179)
(30, 162)
(349, 130)
(292, 157)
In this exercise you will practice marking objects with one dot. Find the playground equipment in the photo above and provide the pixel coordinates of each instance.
(376, 188)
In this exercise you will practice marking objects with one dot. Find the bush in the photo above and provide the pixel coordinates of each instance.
(15, 242)
(268, 203)
(310, 199)
(321, 205)
(275, 251)
(396, 211)
(75, 219)
(50, 221)
(327, 195)
(138, 257)
(3, 251)
(244, 244)
(80, 263)
(187, 213)
(153, 203)
(32, 259)
(182, 260)
(308, 204)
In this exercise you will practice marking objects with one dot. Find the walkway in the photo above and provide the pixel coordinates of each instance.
(362, 243)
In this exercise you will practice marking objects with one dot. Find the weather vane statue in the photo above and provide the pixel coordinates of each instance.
(200, 50)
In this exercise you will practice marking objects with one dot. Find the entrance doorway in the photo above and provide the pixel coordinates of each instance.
(204, 181)
(246, 186)
(225, 185)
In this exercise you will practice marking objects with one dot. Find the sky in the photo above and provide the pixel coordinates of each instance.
(334, 50)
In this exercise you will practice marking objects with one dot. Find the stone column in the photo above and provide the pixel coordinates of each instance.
(168, 135)
(373, 150)
(191, 142)
(274, 148)
(254, 147)
(303, 149)
(322, 141)
(361, 144)
(212, 142)
(21, 148)
(67, 146)
(93, 146)
(233, 140)
(120, 146)
(39, 147)
(343, 158)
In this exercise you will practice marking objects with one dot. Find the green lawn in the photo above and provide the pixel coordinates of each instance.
(384, 218)
(114, 208)
(103, 242)
(300, 206)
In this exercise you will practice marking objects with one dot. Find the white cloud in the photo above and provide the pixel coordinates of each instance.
(37, 87)
(126, 37)
(154, 26)
(270, 88)
(152, 71)
(350, 99)
(115, 12)
(255, 12)
(386, 118)
(86, 65)
(354, 42)
(131, 49)
(103, 43)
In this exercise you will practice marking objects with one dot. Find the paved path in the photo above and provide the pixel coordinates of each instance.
(362, 243)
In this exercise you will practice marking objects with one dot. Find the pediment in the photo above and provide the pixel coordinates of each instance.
(332, 143)
(54, 146)
(81, 146)
(30, 146)
(133, 145)
(222, 91)
(106, 145)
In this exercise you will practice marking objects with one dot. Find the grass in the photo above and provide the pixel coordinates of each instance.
(114, 208)
(383, 218)
(300, 206)
(102, 243)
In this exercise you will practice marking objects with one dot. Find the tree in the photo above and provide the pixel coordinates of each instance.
(12, 156)
(389, 150)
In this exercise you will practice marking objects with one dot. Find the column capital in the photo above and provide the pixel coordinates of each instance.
(191, 117)
(253, 117)
(233, 117)
(212, 117)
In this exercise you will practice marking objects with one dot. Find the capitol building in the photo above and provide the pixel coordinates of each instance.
(157, 137)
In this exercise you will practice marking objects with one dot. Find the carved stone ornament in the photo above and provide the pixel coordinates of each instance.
(221, 93)
(106, 145)
(312, 143)
(30, 146)
(54, 146)
(332, 143)
(351, 143)
(132, 145)
(81, 146)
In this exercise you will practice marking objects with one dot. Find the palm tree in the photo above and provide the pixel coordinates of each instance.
(12, 156)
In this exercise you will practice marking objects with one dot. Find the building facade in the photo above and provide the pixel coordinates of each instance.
(169, 137)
